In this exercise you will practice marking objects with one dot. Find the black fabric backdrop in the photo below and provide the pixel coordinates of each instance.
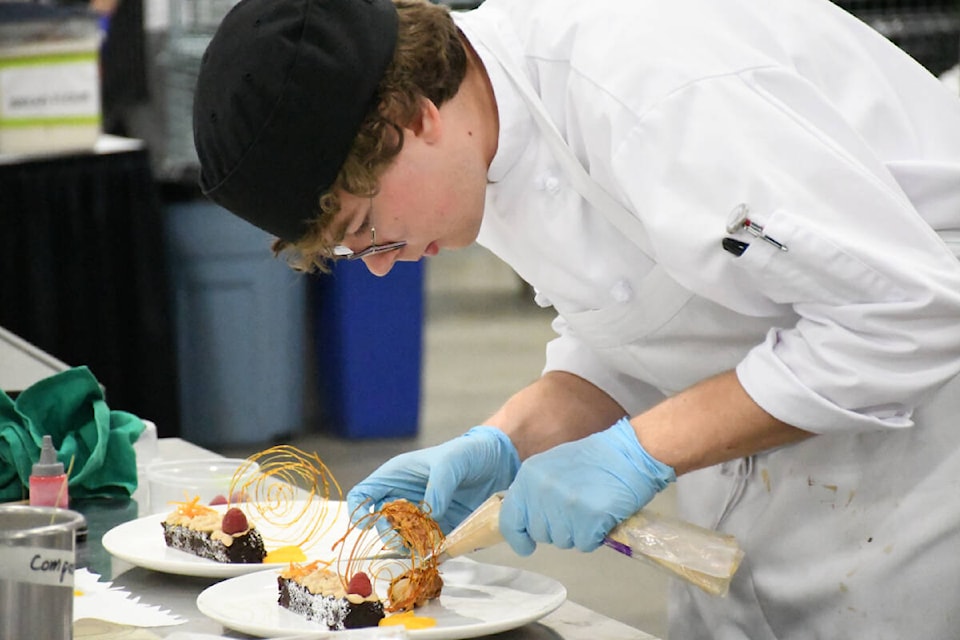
(83, 274)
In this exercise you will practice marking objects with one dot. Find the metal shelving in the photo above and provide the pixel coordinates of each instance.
(192, 25)
(929, 30)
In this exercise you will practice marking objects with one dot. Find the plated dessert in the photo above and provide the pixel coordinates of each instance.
(280, 486)
(337, 600)
(349, 601)
(319, 594)
(205, 532)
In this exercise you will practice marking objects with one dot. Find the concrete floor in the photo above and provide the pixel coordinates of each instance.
(483, 340)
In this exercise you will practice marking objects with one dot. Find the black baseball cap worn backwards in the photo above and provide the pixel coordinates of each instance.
(283, 88)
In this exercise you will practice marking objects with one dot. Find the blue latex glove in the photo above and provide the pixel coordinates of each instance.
(453, 478)
(574, 494)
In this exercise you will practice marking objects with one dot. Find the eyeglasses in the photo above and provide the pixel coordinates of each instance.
(341, 252)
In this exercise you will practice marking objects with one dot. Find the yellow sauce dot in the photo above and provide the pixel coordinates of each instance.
(291, 553)
(408, 620)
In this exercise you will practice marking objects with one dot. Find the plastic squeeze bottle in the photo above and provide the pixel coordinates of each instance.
(48, 482)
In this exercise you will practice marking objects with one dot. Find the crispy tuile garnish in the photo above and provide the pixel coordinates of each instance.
(414, 588)
(411, 531)
(418, 532)
(291, 489)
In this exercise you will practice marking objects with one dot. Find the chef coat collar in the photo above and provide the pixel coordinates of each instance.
(516, 124)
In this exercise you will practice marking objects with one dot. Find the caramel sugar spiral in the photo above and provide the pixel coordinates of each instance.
(291, 490)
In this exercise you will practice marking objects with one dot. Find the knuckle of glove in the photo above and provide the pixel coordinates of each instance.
(513, 527)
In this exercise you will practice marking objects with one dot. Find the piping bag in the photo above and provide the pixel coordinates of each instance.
(702, 557)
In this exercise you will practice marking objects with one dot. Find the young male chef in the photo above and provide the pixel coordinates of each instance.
(745, 215)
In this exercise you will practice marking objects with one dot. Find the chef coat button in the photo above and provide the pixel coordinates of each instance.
(622, 291)
(552, 185)
(542, 300)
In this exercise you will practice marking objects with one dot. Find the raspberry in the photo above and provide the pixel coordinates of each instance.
(218, 499)
(360, 585)
(234, 521)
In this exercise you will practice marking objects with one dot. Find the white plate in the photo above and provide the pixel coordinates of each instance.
(477, 599)
(140, 542)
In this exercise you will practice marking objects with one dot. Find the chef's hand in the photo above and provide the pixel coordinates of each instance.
(453, 478)
(573, 494)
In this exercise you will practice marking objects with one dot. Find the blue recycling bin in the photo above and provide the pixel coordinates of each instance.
(369, 346)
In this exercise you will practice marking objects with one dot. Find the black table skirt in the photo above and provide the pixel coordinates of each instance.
(83, 274)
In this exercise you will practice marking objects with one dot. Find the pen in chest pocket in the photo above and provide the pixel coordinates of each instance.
(740, 219)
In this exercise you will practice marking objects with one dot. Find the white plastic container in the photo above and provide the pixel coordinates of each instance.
(181, 480)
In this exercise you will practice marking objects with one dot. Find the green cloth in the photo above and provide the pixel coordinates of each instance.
(70, 407)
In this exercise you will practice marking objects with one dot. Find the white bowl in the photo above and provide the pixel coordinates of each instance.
(181, 480)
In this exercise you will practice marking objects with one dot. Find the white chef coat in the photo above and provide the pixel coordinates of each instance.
(845, 151)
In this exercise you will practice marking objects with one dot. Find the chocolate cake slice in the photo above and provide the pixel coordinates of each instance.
(319, 595)
(202, 531)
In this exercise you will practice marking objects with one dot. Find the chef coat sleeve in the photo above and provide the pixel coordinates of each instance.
(874, 290)
(568, 353)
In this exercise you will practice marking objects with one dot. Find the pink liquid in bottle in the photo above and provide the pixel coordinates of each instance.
(48, 482)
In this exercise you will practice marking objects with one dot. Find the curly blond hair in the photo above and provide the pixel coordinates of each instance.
(429, 62)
